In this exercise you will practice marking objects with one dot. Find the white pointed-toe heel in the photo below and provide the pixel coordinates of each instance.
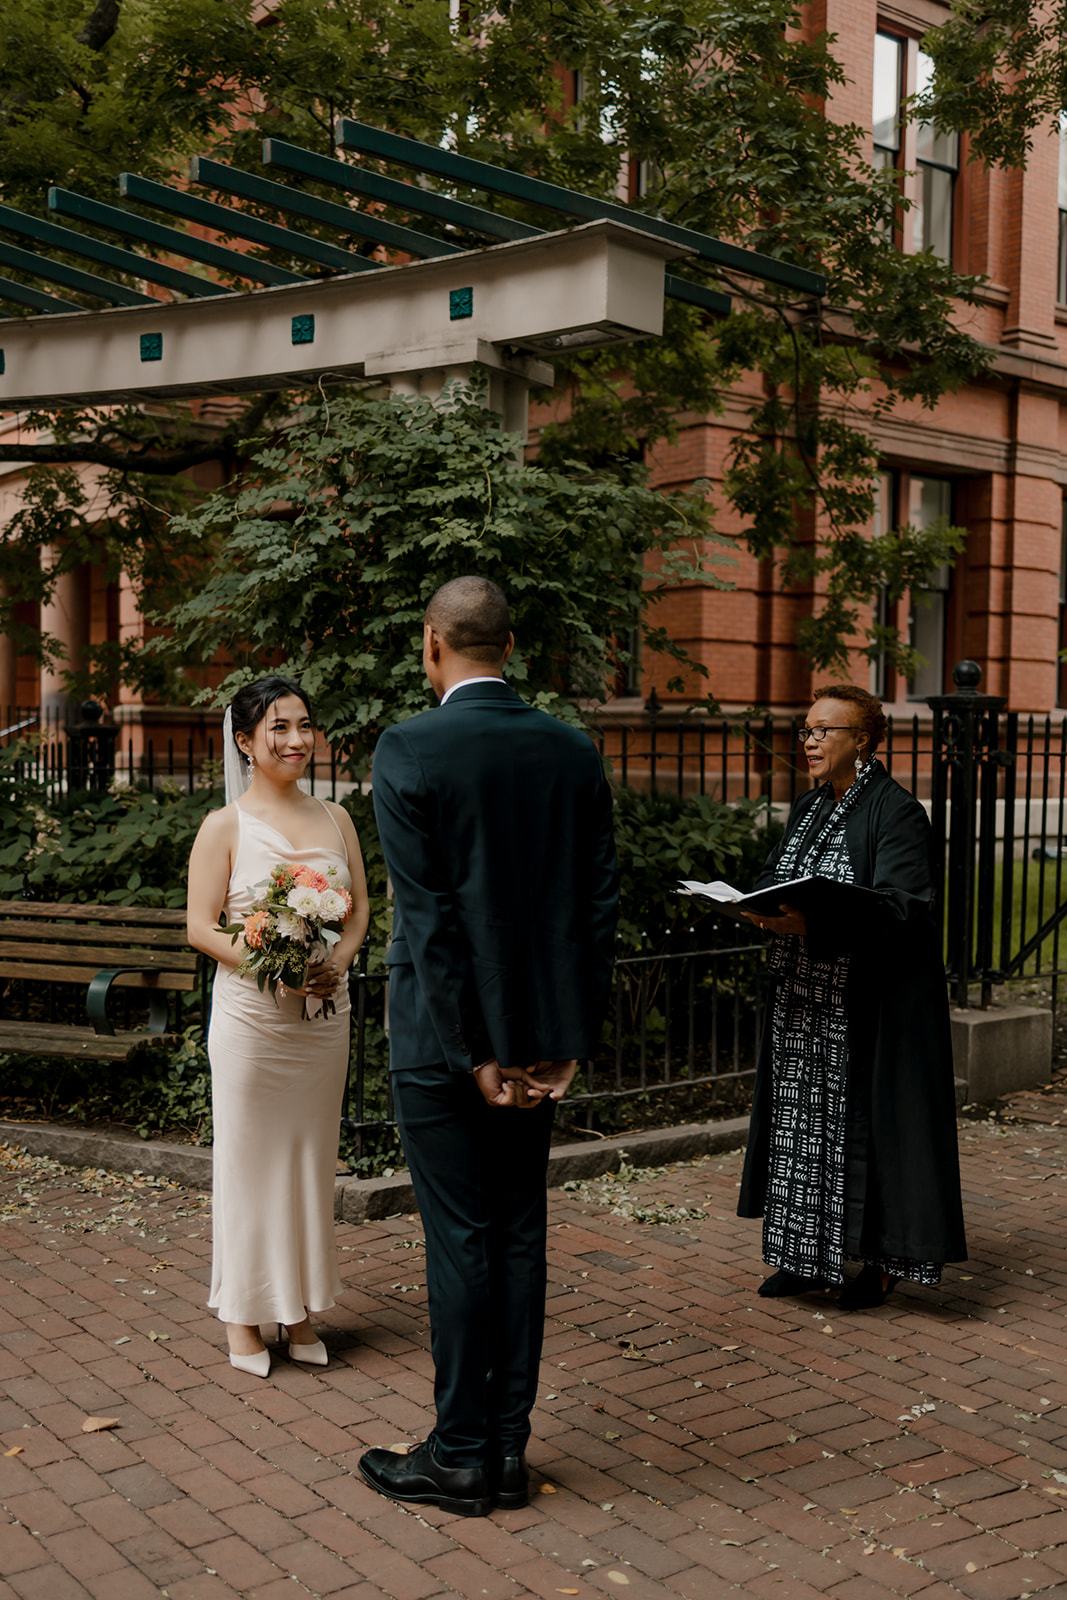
(257, 1364)
(313, 1355)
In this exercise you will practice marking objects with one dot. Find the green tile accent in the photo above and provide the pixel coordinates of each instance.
(460, 304)
(304, 330)
(3, 367)
(151, 347)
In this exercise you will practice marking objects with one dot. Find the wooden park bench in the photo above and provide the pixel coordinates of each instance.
(140, 951)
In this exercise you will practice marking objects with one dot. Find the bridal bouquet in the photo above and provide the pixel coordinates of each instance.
(294, 921)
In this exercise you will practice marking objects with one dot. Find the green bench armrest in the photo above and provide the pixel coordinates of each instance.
(97, 998)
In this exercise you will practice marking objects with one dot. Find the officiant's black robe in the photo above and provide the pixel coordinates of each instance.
(902, 1181)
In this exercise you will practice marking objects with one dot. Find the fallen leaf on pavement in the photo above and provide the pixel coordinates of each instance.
(618, 1577)
(566, 1591)
(869, 1549)
(549, 1488)
(16, 1450)
(400, 1449)
(99, 1424)
(971, 1567)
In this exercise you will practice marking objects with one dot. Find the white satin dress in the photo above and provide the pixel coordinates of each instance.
(277, 1082)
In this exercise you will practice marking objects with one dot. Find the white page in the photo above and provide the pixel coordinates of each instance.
(714, 891)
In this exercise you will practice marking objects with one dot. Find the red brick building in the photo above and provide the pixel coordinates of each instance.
(992, 457)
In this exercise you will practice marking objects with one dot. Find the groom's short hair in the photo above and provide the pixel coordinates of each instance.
(471, 615)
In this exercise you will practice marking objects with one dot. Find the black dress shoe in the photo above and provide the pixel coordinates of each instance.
(420, 1478)
(783, 1282)
(866, 1290)
(512, 1483)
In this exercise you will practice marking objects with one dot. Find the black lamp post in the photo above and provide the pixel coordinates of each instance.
(90, 749)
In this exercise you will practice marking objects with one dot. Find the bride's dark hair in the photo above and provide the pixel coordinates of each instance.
(250, 705)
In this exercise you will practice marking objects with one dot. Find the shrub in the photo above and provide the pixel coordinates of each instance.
(128, 846)
(662, 837)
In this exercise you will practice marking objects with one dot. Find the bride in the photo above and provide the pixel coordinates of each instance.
(277, 1075)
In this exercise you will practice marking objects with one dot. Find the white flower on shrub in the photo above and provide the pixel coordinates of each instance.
(331, 907)
(288, 925)
(303, 900)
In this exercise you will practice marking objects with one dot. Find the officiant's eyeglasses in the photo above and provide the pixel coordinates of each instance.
(821, 729)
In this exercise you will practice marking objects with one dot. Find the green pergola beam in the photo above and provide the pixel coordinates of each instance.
(352, 135)
(695, 294)
(210, 215)
(72, 278)
(387, 191)
(455, 212)
(81, 244)
(69, 204)
(218, 176)
(23, 295)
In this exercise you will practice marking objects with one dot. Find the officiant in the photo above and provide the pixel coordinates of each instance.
(852, 1154)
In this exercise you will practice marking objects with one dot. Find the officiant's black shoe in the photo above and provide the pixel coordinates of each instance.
(511, 1489)
(420, 1478)
(866, 1290)
(783, 1282)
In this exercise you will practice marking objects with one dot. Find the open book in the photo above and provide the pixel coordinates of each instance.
(825, 896)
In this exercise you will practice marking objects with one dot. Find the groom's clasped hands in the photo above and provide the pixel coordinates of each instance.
(524, 1087)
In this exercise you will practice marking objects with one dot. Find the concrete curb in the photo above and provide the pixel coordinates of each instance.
(188, 1164)
(368, 1199)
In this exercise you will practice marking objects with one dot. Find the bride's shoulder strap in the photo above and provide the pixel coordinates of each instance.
(336, 829)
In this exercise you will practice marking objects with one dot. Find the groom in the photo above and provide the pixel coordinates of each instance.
(495, 820)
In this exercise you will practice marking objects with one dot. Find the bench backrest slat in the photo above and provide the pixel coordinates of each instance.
(131, 916)
(14, 928)
(165, 977)
(90, 958)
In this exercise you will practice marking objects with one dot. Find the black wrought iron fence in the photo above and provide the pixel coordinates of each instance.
(687, 1021)
(66, 755)
(681, 1039)
(998, 812)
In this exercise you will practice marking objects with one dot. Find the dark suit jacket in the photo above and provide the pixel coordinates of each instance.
(495, 820)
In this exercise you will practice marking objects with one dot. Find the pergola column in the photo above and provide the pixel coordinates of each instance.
(8, 670)
(64, 617)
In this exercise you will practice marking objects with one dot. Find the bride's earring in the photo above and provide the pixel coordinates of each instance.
(252, 767)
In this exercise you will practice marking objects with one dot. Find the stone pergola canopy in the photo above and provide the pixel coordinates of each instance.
(452, 305)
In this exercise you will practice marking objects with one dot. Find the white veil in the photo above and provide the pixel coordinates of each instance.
(234, 765)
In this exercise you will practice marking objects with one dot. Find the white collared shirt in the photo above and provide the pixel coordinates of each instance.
(465, 683)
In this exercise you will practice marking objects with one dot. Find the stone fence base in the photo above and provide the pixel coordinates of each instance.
(997, 1051)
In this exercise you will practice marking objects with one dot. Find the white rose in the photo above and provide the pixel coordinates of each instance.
(303, 900)
(331, 907)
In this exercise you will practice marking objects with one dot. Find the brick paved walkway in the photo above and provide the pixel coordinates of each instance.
(691, 1440)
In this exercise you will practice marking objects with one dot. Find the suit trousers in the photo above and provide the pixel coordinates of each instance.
(479, 1177)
